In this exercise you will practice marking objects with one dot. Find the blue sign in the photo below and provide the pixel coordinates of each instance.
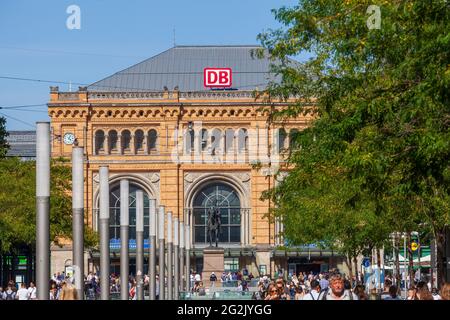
(114, 244)
(366, 262)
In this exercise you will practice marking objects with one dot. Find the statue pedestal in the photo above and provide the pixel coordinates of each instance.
(213, 261)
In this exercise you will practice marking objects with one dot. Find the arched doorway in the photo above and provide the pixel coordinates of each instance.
(226, 199)
(114, 211)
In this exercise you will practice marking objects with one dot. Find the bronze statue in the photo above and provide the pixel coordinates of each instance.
(213, 225)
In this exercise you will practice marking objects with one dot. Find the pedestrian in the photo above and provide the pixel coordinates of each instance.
(323, 282)
(9, 293)
(299, 294)
(360, 292)
(386, 292)
(272, 293)
(212, 279)
(282, 290)
(445, 292)
(412, 294)
(22, 293)
(336, 290)
(2, 292)
(315, 291)
(392, 293)
(32, 291)
(422, 292)
(54, 294)
(132, 292)
(68, 291)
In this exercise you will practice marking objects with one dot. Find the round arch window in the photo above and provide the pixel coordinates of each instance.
(226, 199)
(114, 211)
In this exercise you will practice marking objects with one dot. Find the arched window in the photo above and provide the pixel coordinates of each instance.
(99, 141)
(229, 140)
(243, 140)
(292, 136)
(112, 138)
(204, 139)
(152, 140)
(224, 198)
(215, 140)
(281, 139)
(114, 210)
(139, 140)
(126, 141)
(189, 140)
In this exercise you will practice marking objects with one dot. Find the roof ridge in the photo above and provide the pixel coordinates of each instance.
(219, 46)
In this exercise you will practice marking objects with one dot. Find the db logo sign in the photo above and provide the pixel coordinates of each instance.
(217, 77)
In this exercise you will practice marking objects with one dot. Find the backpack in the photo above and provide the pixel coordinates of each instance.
(9, 296)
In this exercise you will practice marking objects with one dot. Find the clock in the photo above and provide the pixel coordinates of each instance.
(69, 138)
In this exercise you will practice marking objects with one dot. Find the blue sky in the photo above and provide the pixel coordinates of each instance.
(35, 42)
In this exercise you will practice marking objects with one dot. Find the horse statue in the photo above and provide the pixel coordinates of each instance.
(213, 225)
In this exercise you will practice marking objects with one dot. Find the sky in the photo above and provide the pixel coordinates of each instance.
(35, 42)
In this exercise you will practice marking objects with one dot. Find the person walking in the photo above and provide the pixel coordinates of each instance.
(32, 291)
(9, 293)
(315, 291)
(68, 291)
(212, 279)
(22, 293)
(336, 290)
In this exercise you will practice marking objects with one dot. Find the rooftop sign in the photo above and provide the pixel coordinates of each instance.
(217, 77)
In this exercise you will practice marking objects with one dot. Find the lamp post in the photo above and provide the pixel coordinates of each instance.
(42, 209)
(161, 253)
(104, 232)
(78, 219)
(169, 257)
(124, 234)
(176, 258)
(182, 248)
(139, 244)
(188, 257)
(152, 253)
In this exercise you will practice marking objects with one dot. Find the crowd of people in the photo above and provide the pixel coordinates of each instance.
(335, 286)
(322, 286)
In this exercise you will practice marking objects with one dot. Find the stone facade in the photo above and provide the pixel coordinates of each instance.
(147, 138)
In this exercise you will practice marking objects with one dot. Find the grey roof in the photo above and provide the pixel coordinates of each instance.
(22, 144)
(183, 66)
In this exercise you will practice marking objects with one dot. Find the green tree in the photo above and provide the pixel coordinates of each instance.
(3, 134)
(18, 204)
(379, 147)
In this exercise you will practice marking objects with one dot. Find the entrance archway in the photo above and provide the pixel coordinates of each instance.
(226, 199)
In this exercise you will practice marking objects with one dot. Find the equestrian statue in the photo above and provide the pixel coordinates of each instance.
(213, 225)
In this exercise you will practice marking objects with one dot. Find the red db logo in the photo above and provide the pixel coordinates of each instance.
(217, 77)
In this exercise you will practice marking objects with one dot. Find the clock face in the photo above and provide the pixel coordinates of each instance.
(69, 138)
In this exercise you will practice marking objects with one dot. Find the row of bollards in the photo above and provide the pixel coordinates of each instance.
(178, 234)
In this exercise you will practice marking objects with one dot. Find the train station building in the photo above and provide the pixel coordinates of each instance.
(189, 147)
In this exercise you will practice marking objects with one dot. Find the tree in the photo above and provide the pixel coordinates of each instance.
(3, 134)
(379, 147)
(18, 204)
